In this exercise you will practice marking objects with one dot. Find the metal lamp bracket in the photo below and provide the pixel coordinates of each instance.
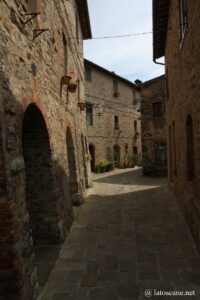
(38, 31)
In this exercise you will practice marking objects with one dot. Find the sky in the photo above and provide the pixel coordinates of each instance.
(129, 57)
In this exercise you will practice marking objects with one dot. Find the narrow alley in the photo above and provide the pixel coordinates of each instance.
(129, 241)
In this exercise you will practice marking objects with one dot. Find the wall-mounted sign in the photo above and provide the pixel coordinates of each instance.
(10, 143)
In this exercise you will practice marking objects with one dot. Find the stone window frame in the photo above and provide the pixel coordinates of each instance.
(88, 73)
(116, 122)
(183, 19)
(89, 114)
(157, 109)
(115, 86)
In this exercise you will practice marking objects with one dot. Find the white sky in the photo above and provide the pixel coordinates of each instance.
(129, 57)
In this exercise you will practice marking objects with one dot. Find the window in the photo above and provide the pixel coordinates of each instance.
(115, 87)
(182, 19)
(135, 150)
(88, 74)
(160, 153)
(157, 109)
(135, 126)
(89, 114)
(126, 147)
(189, 148)
(77, 29)
(116, 122)
(64, 54)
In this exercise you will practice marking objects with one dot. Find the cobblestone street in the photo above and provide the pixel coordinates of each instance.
(130, 236)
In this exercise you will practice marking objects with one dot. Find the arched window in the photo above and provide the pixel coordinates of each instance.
(189, 148)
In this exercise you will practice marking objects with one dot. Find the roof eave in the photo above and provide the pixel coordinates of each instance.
(83, 12)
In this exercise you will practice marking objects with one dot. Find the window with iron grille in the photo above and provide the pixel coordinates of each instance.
(157, 109)
(183, 21)
(89, 114)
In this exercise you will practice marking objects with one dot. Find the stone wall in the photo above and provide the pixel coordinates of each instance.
(154, 127)
(183, 69)
(102, 134)
(36, 111)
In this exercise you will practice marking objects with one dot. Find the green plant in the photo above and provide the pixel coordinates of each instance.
(104, 166)
(148, 166)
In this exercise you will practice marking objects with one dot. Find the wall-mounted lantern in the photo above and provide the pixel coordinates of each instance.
(99, 110)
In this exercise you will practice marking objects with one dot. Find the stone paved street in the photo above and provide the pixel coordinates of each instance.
(129, 236)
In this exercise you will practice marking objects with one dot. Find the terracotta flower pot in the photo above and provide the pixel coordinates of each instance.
(72, 87)
(66, 79)
(81, 105)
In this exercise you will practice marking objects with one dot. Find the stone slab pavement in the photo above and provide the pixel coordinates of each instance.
(129, 238)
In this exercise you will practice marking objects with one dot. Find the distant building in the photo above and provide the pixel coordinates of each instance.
(113, 117)
(176, 36)
(154, 126)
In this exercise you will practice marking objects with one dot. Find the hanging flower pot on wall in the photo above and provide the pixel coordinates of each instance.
(66, 79)
(72, 87)
(81, 106)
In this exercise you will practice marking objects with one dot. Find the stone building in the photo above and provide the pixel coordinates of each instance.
(42, 133)
(154, 127)
(113, 116)
(176, 36)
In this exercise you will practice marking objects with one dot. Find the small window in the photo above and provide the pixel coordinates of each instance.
(89, 114)
(116, 122)
(126, 147)
(64, 54)
(182, 19)
(157, 109)
(115, 86)
(77, 29)
(88, 74)
(160, 153)
(135, 150)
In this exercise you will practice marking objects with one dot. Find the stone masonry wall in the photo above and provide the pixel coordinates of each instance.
(102, 134)
(183, 64)
(154, 128)
(35, 112)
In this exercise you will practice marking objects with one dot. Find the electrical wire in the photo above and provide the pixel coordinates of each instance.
(121, 36)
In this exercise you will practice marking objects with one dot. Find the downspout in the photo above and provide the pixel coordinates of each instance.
(158, 63)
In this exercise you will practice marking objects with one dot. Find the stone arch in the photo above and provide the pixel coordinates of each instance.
(84, 160)
(73, 180)
(39, 179)
(116, 150)
(189, 148)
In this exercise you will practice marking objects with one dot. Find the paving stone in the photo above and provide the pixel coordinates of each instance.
(89, 279)
(103, 294)
(128, 291)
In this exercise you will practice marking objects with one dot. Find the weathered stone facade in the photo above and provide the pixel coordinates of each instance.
(118, 129)
(153, 124)
(177, 37)
(42, 160)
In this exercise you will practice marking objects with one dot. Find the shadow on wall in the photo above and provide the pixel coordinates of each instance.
(133, 177)
(35, 205)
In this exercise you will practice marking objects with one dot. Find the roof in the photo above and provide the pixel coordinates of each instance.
(146, 83)
(160, 24)
(90, 63)
(83, 13)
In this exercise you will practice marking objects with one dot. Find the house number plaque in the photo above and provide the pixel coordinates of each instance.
(10, 143)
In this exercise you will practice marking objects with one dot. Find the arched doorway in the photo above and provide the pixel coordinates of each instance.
(92, 158)
(116, 155)
(40, 200)
(73, 182)
(84, 161)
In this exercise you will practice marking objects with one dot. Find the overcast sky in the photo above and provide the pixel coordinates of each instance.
(130, 57)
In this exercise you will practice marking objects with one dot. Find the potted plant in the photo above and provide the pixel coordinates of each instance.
(72, 87)
(81, 105)
(66, 79)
